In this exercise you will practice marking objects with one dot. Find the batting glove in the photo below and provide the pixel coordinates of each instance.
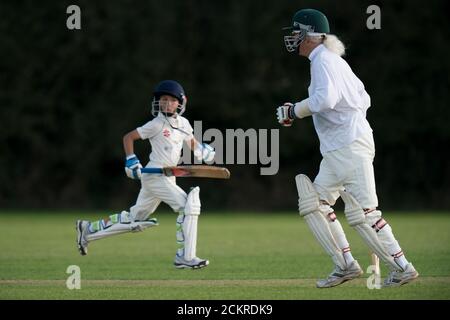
(285, 114)
(204, 152)
(133, 167)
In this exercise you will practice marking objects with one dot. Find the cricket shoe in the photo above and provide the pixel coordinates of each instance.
(195, 263)
(398, 278)
(339, 276)
(82, 227)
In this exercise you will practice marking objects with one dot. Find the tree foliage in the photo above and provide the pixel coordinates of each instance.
(68, 97)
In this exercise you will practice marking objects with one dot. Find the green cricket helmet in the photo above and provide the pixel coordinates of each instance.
(305, 22)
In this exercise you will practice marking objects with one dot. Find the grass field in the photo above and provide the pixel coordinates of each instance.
(252, 256)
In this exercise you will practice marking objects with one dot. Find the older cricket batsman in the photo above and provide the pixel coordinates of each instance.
(337, 102)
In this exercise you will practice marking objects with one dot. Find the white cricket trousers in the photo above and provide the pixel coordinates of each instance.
(154, 189)
(350, 168)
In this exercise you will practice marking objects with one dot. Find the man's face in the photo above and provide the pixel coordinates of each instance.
(302, 48)
(168, 104)
(306, 46)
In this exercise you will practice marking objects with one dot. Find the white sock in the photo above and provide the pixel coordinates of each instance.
(348, 257)
(401, 261)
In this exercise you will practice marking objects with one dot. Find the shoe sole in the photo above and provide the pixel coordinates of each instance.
(343, 279)
(81, 249)
(404, 281)
(185, 266)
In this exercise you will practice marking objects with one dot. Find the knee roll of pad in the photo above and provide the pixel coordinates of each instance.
(125, 217)
(308, 198)
(353, 211)
(355, 217)
(193, 205)
(373, 217)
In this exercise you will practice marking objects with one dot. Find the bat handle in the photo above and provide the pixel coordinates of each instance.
(152, 170)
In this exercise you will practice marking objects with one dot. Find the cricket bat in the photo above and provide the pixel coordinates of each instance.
(191, 171)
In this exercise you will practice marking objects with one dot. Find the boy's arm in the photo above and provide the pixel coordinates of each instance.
(132, 163)
(128, 142)
(193, 144)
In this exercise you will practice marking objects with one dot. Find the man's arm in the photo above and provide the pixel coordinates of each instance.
(301, 109)
(288, 112)
(325, 95)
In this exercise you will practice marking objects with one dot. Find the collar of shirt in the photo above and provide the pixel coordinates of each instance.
(315, 52)
(171, 120)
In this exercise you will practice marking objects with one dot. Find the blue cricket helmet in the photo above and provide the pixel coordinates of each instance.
(172, 88)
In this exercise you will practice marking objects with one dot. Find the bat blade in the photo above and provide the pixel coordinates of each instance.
(198, 172)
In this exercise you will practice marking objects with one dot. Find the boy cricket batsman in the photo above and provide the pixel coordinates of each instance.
(166, 132)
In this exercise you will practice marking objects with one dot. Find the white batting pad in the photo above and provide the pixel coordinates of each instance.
(308, 206)
(319, 227)
(356, 219)
(338, 234)
(193, 204)
(384, 232)
(308, 198)
(191, 211)
(120, 228)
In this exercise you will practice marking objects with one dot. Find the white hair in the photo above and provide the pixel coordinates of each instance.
(334, 44)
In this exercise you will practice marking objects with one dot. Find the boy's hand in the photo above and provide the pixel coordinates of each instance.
(133, 167)
(204, 152)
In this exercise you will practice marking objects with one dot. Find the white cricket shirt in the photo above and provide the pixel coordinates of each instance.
(337, 100)
(166, 142)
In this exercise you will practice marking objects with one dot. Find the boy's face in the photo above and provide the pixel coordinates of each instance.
(168, 104)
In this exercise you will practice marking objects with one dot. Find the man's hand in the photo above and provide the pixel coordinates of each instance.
(204, 152)
(285, 114)
(133, 167)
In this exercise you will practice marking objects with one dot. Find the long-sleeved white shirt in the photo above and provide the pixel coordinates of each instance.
(337, 100)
